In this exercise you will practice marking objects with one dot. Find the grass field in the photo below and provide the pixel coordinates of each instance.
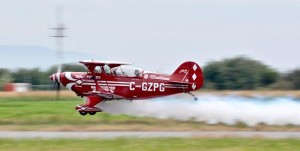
(166, 144)
(43, 113)
(40, 111)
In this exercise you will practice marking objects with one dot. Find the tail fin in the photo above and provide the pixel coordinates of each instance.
(189, 72)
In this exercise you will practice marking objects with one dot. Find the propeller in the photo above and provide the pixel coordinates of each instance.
(57, 88)
(56, 81)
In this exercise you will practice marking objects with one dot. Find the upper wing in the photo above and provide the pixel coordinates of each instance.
(111, 64)
(91, 64)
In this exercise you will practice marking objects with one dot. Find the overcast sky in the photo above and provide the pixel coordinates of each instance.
(161, 34)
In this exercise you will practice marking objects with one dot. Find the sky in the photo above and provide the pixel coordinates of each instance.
(159, 35)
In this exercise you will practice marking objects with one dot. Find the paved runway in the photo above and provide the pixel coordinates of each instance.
(145, 134)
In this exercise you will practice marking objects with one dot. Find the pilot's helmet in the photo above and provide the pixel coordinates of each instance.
(137, 72)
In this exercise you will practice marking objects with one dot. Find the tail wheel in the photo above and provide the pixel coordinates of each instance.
(83, 113)
(92, 113)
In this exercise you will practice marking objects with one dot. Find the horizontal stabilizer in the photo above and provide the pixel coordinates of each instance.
(179, 82)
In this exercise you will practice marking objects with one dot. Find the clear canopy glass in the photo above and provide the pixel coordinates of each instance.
(127, 71)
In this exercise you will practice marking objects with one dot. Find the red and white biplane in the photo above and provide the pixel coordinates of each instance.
(106, 81)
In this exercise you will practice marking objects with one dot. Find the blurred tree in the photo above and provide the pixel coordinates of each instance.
(5, 77)
(238, 73)
(294, 78)
(37, 77)
(213, 75)
(268, 77)
(33, 76)
(282, 85)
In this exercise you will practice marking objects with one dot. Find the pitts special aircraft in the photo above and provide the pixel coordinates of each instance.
(105, 81)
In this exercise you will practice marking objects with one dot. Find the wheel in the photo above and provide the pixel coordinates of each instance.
(83, 113)
(92, 113)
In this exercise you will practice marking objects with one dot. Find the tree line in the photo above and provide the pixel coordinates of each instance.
(242, 73)
(34, 76)
(238, 73)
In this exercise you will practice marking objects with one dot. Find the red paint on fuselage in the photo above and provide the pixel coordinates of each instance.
(109, 83)
(125, 87)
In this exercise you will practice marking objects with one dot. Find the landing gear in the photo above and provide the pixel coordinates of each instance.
(84, 110)
(92, 113)
(193, 95)
(83, 113)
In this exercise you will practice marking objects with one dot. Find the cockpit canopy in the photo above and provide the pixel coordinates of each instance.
(127, 71)
(111, 68)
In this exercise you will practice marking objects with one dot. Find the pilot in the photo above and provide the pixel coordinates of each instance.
(137, 72)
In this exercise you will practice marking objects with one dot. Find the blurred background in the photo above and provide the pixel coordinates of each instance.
(241, 45)
(238, 73)
(248, 49)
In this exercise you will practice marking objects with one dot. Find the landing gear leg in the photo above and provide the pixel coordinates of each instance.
(193, 95)
(89, 106)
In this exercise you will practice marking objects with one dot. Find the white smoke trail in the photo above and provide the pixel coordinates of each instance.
(214, 109)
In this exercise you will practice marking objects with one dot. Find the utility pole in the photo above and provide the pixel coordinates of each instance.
(59, 35)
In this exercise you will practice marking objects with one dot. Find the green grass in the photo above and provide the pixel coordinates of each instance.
(39, 111)
(44, 113)
(166, 144)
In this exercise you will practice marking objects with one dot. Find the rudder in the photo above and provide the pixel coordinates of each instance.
(189, 72)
